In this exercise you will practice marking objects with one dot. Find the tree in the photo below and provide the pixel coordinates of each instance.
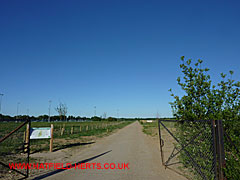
(202, 101)
(43, 117)
(62, 110)
(96, 118)
(111, 119)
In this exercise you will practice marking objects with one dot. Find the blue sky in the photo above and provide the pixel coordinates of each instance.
(115, 55)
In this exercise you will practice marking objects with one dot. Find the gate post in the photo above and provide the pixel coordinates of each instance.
(220, 150)
(218, 145)
(28, 144)
(160, 142)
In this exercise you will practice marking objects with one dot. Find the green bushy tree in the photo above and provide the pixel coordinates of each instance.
(203, 100)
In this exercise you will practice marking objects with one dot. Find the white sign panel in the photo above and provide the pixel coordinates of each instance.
(40, 133)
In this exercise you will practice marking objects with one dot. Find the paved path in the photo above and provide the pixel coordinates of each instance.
(128, 145)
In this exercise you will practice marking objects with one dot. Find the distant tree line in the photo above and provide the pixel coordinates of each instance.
(44, 118)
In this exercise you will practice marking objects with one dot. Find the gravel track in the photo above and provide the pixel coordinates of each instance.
(127, 145)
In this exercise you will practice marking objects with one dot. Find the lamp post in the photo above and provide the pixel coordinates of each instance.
(1, 95)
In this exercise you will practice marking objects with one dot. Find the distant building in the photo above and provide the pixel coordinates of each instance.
(149, 121)
(146, 121)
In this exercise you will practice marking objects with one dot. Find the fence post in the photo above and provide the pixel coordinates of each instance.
(51, 140)
(220, 149)
(28, 145)
(63, 129)
(27, 138)
(218, 145)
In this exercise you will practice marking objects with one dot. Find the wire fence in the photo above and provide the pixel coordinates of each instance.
(186, 138)
(201, 149)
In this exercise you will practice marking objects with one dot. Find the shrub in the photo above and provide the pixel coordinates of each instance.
(204, 101)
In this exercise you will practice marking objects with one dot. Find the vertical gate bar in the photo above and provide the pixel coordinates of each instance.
(160, 142)
(28, 147)
(213, 123)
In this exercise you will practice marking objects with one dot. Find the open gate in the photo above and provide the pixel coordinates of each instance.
(194, 149)
(14, 148)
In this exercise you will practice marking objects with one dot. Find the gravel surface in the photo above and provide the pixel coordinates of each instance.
(127, 145)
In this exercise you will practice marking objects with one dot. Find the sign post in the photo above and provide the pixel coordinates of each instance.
(51, 140)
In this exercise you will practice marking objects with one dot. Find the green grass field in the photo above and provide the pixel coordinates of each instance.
(64, 134)
(151, 128)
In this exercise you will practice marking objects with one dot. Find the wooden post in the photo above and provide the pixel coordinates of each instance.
(72, 130)
(27, 138)
(87, 128)
(63, 129)
(51, 140)
(80, 128)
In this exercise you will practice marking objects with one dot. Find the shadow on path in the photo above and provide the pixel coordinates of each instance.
(64, 146)
(61, 170)
(71, 145)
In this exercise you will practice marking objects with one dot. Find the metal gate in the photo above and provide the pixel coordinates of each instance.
(14, 148)
(194, 149)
